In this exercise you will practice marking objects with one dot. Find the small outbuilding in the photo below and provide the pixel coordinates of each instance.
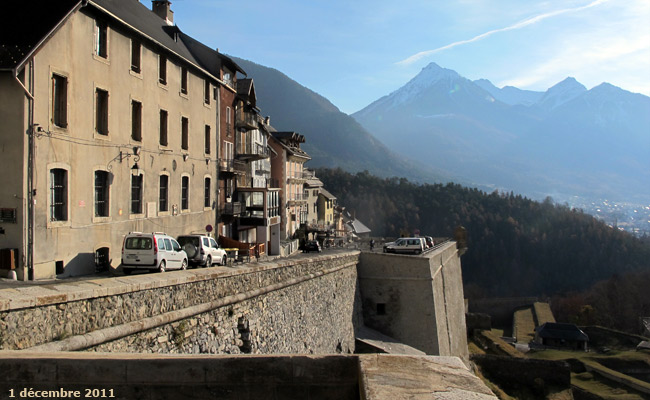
(552, 334)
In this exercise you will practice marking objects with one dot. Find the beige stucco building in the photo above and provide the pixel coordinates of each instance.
(110, 124)
(287, 167)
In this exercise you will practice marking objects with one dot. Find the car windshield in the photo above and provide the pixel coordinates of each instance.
(138, 243)
(183, 240)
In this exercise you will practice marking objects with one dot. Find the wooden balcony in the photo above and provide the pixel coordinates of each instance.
(246, 119)
(232, 209)
(253, 152)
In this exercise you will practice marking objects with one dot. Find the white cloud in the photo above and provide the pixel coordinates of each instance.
(619, 55)
(518, 25)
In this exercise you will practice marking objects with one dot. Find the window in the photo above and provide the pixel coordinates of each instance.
(227, 78)
(101, 119)
(58, 194)
(228, 151)
(185, 188)
(136, 121)
(185, 133)
(101, 194)
(164, 193)
(206, 92)
(60, 101)
(206, 193)
(228, 122)
(162, 69)
(163, 128)
(136, 51)
(184, 80)
(101, 39)
(207, 139)
(136, 194)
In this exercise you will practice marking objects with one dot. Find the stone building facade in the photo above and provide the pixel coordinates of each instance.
(111, 123)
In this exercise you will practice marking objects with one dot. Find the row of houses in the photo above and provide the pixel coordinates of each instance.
(114, 120)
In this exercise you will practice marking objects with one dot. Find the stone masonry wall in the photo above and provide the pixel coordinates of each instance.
(315, 317)
(315, 312)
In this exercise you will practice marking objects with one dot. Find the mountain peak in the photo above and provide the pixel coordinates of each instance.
(569, 83)
(562, 92)
(433, 73)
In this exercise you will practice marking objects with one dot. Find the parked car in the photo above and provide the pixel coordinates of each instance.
(415, 245)
(202, 250)
(152, 251)
(312, 245)
(429, 240)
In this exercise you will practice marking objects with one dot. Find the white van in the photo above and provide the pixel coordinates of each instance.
(152, 251)
(415, 245)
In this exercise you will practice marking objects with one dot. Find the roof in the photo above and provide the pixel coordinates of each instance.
(290, 141)
(327, 194)
(20, 39)
(358, 227)
(561, 331)
(246, 90)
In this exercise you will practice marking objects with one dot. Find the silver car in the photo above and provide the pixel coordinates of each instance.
(152, 251)
(203, 250)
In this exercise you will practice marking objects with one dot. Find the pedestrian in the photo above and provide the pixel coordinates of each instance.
(372, 244)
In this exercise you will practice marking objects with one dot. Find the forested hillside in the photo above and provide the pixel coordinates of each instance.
(517, 246)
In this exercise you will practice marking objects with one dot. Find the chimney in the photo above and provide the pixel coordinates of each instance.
(163, 9)
(267, 120)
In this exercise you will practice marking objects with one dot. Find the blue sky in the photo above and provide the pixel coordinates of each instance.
(354, 52)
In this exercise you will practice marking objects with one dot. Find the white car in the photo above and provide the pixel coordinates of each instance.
(203, 250)
(152, 251)
(415, 245)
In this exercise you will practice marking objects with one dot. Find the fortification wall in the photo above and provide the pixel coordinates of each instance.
(298, 305)
(417, 300)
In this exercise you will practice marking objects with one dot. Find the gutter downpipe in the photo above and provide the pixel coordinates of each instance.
(218, 163)
(29, 252)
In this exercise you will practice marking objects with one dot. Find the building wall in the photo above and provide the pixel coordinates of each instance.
(81, 151)
(13, 155)
(279, 174)
(417, 300)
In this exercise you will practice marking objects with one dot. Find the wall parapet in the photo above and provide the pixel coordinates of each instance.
(73, 317)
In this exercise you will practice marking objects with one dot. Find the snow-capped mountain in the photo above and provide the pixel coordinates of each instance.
(561, 93)
(510, 94)
(566, 140)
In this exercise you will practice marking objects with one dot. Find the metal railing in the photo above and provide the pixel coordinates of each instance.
(234, 208)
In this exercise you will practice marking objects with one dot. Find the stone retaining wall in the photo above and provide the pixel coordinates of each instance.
(305, 305)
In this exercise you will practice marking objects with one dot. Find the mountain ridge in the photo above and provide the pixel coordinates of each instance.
(565, 140)
(333, 138)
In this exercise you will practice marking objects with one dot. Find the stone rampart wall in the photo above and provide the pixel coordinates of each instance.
(302, 305)
(417, 300)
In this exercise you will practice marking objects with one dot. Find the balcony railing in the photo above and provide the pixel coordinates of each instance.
(241, 168)
(246, 120)
(253, 152)
(298, 176)
(233, 209)
(227, 165)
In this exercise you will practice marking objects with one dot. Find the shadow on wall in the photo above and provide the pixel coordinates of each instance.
(81, 264)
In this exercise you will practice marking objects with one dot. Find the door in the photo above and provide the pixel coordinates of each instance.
(178, 253)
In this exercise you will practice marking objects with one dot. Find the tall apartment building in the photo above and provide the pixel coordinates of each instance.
(287, 167)
(111, 122)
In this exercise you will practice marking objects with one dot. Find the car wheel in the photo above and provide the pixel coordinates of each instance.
(127, 271)
(184, 265)
(224, 260)
(208, 262)
(418, 251)
(162, 267)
